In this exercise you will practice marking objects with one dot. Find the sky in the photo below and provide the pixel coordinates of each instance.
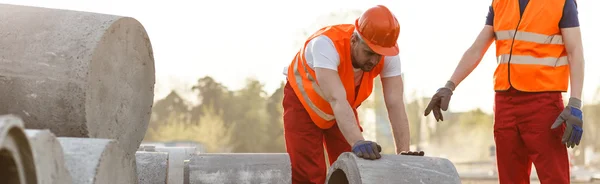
(232, 40)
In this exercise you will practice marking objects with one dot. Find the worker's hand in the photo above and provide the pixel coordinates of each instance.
(573, 117)
(440, 101)
(413, 153)
(367, 149)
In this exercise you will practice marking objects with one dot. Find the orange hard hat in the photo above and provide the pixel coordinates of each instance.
(380, 29)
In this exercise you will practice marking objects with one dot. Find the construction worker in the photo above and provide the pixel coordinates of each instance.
(538, 48)
(328, 79)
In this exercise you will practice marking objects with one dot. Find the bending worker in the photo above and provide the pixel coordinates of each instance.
(328, 79)
(538, 49)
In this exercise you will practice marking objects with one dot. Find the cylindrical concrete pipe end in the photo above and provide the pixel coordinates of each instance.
(240, 168)
(17, 165)
(97, 161)
(78, 74)
(397, 169)
(49, 157)
(152, 167)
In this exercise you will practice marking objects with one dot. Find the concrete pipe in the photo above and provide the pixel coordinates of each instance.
(177, 156)
(350, 169)
(77, 74)
(240, 168)
(17, 165)
(49, 158)
(152, 167)
(97, 161)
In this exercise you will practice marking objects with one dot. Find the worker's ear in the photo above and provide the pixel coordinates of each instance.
(353, 39)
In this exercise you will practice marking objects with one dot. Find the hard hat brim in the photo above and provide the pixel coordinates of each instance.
(384, 51)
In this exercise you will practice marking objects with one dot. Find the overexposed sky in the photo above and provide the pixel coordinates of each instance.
(231, 40)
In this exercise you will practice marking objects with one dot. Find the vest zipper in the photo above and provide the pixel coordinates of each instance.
(512, 44)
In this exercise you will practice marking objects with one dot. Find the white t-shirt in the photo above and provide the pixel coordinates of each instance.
(320, 52)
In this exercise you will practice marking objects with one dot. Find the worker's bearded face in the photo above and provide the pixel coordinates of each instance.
(362, 56)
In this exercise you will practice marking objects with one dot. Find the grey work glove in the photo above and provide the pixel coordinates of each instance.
(367, 149)
(573, 117)
(440, 101)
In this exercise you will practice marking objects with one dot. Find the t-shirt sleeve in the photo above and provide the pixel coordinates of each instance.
(321, 53)
(570, 16)
(391, 66)
(489, 20)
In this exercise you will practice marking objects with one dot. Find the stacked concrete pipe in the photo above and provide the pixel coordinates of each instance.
(87, 78)
(238, 168)
(16, 157)
(77, 74)
(49, 157)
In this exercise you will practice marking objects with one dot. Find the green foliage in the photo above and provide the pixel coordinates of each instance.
(246, 120)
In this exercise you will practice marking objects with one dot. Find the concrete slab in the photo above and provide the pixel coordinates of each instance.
(152, 167)
(76, 73)
(97, 161)
(240, 168)
(177, 155)
(17, 165)
(49, 158)
(397, 169)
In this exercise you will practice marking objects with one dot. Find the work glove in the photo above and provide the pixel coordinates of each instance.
(413, 153)
(440, 101)
(367, 149)
(573, 117)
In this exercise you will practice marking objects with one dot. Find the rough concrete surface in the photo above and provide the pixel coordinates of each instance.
(186, 171)
(49, 157)
(97, 161)
(242, 168)
(396, 169)
(76, 73)
(177, 155)
(152, 167)
(16, 158)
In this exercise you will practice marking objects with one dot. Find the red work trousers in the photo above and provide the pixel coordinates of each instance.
(304, 141)
(523, 136)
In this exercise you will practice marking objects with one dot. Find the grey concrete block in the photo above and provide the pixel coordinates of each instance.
(177, 155)
(97, 161)
(79, 74)
(16, 158)
(242, 168)
(49, 158)
(396, 169)
(152, 167)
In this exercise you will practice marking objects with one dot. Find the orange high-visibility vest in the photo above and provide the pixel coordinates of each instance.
(530, 51)
(304, 81)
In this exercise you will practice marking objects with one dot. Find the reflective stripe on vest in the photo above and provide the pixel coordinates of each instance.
(304, 94)
(530, 51)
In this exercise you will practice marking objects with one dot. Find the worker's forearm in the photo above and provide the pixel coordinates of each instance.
(467, 64)
(346, 121)
(577, 65)
(400, 128)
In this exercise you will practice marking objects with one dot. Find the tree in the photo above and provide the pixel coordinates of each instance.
(163, 109)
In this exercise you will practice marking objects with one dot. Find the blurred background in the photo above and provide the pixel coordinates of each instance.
(219, 74)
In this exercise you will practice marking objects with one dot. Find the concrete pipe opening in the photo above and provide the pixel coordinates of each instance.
(8, 168)
(338, 177)
(16, 160)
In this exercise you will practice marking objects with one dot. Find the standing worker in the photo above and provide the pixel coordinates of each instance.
(538, 47)
(328, 79)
